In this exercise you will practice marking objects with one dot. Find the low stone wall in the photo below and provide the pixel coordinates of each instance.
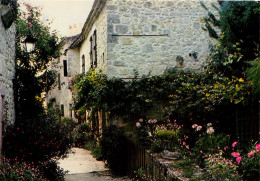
(161, 169)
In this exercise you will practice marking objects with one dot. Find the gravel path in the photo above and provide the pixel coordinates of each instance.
(81, 166)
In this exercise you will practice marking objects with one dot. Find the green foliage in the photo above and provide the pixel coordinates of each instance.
(141, 175)
(95, 149)
(157, 146)
(221, 168)
(113, 146)
(32, 74)
(52, 171)
(83, 135)
(239, 38)
(187, 167)
(37, 140)
(253, 74)
(185, 95)
(19, 171)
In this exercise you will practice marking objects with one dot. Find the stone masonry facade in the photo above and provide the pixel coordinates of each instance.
(67, 65)
(7, 68)
(147, 36)
(162, 34)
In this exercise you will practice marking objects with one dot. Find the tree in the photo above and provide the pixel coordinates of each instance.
(239, 35)
(32, 73)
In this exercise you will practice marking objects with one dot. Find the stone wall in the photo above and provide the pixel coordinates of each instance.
(61, 91)
(7, 67)
(100, 25)
(167, 33)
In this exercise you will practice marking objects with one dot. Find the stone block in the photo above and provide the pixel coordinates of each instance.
(135, 11)
(127, 41)
(147, 48)
(111, 7)
(113, 18)
(121, 29)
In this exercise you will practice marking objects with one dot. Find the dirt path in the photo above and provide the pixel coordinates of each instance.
(81, 166)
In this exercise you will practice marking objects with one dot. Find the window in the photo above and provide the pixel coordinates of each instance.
(83, 63)
(65, 68)
(62, 110)
(59, 85)
(93, 50)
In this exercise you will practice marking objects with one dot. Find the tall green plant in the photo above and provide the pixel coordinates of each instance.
(32, 74)
(238, 37)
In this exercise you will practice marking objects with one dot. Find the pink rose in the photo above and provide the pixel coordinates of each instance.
(183, 143)
(238, 159)
(234, 144)
(251, 153)
(257, 146)
(235, 154)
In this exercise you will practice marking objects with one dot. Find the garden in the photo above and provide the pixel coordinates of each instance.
(208, 118)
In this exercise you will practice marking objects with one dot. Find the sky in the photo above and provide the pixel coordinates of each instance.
(63, 13)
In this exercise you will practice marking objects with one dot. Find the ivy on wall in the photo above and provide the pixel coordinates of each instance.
(186, 93)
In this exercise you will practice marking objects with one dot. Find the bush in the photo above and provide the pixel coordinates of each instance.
(221, 168)
(82, 135)
(37, 140)
(113, 145)
(19, 171)
(95, 149)
(52, 171)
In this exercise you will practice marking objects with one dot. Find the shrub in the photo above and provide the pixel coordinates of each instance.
(157, 146)
(113, 145)
(52, 171)
(37, 140)
(221, 168)
(19, 171)
(82, 135)
(95, 149)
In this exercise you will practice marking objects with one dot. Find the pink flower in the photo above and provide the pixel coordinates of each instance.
(183, 143)
(251, 153)
(141, 120)
(198, 128)
(238, 159)
(209, 124)
(210, 130)
(257, 146)
(30, 24)
(234, 144)
(194, 126)
(138, 125)
(235, 154)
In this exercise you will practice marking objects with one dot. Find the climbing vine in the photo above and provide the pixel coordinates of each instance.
(186, 93)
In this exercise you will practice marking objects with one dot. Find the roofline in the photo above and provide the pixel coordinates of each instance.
(97, 7)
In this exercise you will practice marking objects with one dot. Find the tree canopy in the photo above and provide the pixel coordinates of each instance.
(238, 23)
(32, 73)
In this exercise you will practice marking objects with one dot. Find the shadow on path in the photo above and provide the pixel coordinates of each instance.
(81, 166)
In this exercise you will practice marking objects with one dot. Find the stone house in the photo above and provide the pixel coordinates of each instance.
(7, 63)
(147, 36)
(123, 36)
(66, 66)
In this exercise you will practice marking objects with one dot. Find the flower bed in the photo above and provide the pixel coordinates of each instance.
(212, 151)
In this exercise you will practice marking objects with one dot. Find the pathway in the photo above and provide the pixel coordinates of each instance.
(81, 166)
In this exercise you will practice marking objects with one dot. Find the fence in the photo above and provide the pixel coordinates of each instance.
(137, 157)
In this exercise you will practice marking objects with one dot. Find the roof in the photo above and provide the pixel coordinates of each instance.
(68, 40)
(97, 7)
